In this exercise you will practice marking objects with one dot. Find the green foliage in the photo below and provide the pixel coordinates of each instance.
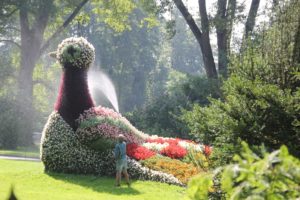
(269, 56)
(199, 187)
(253, 111)
(260, 99)
(114, 13)
(160, 115)
(275, 176)
(102, 144)
(198, 159)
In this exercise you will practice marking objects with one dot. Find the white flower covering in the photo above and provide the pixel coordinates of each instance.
(188, 145)
(155, 146)
(83, 52)
(62, 151)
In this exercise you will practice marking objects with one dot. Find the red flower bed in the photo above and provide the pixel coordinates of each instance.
(173, 141)
(161, 140)
(138, 152)
(207, 150)
(174, 151)
(157, 140)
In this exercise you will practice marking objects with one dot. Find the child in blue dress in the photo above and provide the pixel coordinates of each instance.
(121, 160)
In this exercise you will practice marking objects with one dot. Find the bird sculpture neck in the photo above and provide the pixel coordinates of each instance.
(74, 96)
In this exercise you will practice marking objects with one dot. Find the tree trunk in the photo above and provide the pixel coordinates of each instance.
(224, 23)
(202, 38)
(32, 47)
(31, 41)
(25, 91)
(250, 23)
(205, 42)
(296, 51)
(251, 17)
(221, 28)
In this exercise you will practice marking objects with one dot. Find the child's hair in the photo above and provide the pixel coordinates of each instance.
(121, 138)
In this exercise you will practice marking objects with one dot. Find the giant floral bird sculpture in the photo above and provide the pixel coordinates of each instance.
(79, 137)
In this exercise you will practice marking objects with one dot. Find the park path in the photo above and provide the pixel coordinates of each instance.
(20, 158)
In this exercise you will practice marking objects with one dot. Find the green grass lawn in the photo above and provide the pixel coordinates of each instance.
(30, 182)
(32, 152)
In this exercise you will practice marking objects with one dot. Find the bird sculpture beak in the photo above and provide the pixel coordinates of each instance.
(52, 54)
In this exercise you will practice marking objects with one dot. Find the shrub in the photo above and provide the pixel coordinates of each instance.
(253, 111)
(160, 115)
(275, 176)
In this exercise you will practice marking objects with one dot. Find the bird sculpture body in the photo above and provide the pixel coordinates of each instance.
(79, 137)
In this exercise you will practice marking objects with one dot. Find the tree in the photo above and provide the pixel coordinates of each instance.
(202, 36)
(223, 21)
(34, 17)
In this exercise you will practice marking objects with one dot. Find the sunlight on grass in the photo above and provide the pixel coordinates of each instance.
(30, 182)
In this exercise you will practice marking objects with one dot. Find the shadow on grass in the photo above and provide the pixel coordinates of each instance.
(100, 184)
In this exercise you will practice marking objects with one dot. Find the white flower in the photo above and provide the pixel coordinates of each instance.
(189, 145)
(155, 146)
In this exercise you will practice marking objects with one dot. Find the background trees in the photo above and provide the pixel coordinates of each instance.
(261, 96)
(223, 22)
(29, 22)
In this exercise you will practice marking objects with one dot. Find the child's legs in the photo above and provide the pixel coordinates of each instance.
(118, 172)
(126, 175)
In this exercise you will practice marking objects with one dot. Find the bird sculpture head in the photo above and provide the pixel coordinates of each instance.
(75, 55)
(75, 52)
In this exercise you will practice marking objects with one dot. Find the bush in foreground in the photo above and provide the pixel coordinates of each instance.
(274, 176)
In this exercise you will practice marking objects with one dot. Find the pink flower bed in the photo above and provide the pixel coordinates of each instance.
(174, 148)
(99, 111)
(106, 131)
